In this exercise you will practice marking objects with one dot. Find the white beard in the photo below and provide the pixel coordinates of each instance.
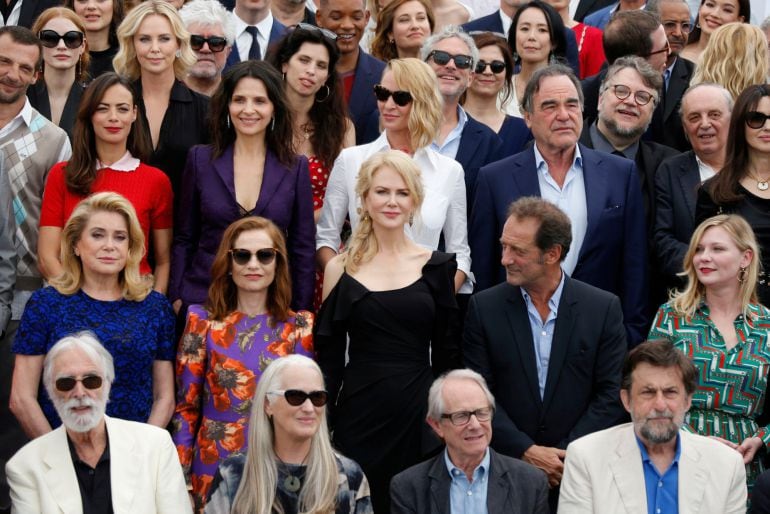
(80, 422)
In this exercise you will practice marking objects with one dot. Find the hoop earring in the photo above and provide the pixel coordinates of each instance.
(328, 94)
(227, 121)
(742, 275)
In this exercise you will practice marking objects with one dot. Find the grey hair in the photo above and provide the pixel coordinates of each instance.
(209, 13)
(765, 25)
(436, 398)
(553, 70)
(448, 32)
(650, 76)
(88, 343)
(653, 6)
(728, 97)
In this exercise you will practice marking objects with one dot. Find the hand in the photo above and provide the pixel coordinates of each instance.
(177, 305)
(550, 460)
(749, 447)
(724, 441)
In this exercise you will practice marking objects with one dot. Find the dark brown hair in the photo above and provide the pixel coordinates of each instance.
(661, 354)
(744, 9)
(118, 12)
(629, 33)
(555, 228)
(382, 48)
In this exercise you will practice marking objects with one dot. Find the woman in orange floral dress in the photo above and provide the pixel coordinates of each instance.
(226, 345)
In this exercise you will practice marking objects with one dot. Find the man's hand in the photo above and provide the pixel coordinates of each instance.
(550, 460)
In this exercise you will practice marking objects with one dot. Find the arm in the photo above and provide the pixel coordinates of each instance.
(634, 280)
(171, 494)
(301, 235)
(736, 500)
(350, 134)
(483, 233)
(332, 273)
(48, 248)
(575, 495)
(52, 220)
(401, 493)
(669, 250)
(187, 226)
(161, 242)
(455, 228)
(161, 223)
(333, 212)
(162, 393)
(24, 388)
(24, 489)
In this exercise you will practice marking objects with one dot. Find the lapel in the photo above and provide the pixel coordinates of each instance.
(277, 31)
(525, 174)
(677, 83)
(498, 489)
(497, 22)
(60, 473)
(439, 485)
(272, 177)
(521, 334)
(693, 472)
(595, 178)
(565, 320)
(627, 473)
(124, 467)
(689, 179)
(361, 80)
(224, 168)
(234, 57)
(467, 146)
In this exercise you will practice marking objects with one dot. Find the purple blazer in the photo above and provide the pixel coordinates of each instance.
(207, 206)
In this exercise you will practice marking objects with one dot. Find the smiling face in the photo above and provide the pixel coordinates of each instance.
(718, 260)
(114, 115)
(347, 19)
(61, 57)
(297, 424)
(388, 202)
(18, 63)
(155, 45)
(452, 81)
(80, 409)
(253, 277)
(533, 40)
(96, 14)
(410, 27)
(103, 245)
(250, 107)
(395, 118)
(557, 119)
(758, 140)
(715, 13)
(625, 118)
(208, 64)
(706, 119)
(488, 84)
(307, 70)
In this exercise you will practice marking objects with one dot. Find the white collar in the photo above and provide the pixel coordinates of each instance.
(126, 163)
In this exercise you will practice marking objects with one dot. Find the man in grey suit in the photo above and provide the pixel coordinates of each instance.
(468, 477)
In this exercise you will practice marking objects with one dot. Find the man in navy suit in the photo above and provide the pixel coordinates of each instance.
(599, 192)
(255, 30)
(358, 70)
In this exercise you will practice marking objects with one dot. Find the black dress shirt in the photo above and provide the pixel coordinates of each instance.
(94, 483)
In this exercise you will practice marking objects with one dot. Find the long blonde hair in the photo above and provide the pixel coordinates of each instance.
(135, 286)
(419, 79)
(686, 302)
(363, 242)
(256, 492)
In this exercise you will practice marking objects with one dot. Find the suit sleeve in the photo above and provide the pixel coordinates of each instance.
(634, 290)
(736, 500)
(507, 438)
(171, 495)
(669, 250)
(301, 241)
(187, 226)
(575, 495)
(401, 501)
(483, 233)
(24, 490)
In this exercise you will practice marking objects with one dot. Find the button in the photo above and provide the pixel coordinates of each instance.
(660, 483)
(470, 493)
(658, 511)
(544, 333)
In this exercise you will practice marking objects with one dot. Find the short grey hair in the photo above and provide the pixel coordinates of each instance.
(650, 77)
(725, 93)
(448, 32)
(553, 70)
(765, 25)
(209, 13)
(436, 398)
(86, 342)
(653, 6)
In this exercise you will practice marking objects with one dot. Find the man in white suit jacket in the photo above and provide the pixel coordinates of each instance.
(611, 471)
(144, 473)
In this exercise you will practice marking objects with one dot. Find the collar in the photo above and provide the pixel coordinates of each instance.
(26, 112)
(553, 301)
(506, 20)
(646, 456)
(126, 163)
(381, 144)
(603, 144)
(179, 92)
(480, 470)
(263, 26)
(540, 164)
(670, 69)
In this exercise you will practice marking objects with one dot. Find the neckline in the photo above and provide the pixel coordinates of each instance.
(421, 277)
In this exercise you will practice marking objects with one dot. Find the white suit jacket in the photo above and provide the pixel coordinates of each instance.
(603, 474)
(145, 474)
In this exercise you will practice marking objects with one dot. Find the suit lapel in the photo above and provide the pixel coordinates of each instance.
(596, 194)
(689, 179)
(526, 181)
(562, 334)
(677, 83)
(497, 486)
(60, 475)
(467, 147)
(234, 57)
(627, 472)
(521, 334)
(439, 485)
(693, 472)
(124, 471)
(272, 176)
(224, 165)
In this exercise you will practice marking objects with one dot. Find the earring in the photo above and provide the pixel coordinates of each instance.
(272, 123)
(365, 216)
(227, 121)
(284, 76)
(178, 54)
(411, 219)
(328, 93)
(742, 275)
(552, 58)
(515, 57)
(79, 68)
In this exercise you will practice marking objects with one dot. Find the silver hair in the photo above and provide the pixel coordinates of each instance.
(88, 343)
(448, 32)
(765, 25)
(436, 398)
(728, 97)
(651, 77)
(209, 13)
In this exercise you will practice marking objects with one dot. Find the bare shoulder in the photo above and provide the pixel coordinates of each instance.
(332, 273)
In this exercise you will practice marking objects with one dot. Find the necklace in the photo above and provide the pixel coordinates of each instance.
(292, 483)
(762, 184)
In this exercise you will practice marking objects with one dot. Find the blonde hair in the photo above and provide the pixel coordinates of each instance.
(735, 57)
(418, 78)
(125, 61)
(363, 242)
(135, 286)
(256, 492)
(686, 302)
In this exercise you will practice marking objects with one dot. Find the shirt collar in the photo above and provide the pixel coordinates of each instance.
(506, 20)
(603, 144)
(553, 301)
(126, 163)
(26, 112)
(481, 469)
(263, 26)
(381, 144)
(540, 164)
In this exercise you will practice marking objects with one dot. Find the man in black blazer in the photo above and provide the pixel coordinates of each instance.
(550, 347)
(586, 7)
(460, 411)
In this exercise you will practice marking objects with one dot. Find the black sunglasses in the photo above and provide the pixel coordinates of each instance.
(295, 397)
(496, 66)
(756, 119)
(65, 384)
(216, 43)
(50, 38)
(264, 255)
(463, 62)
(318, 30)
(401, 98)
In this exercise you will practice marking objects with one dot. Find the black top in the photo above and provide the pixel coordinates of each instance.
(38, 98)
(101, 62)
(94, 483)
(184, 125)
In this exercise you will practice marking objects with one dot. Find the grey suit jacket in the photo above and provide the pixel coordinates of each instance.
(513, 487)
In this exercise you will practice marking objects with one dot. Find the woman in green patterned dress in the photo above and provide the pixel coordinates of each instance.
(718, 322)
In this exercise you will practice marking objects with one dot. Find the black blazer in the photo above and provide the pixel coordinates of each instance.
(582, 390)
(591, 86)
(479, 146)
(666, 127)
(513, 487)
(31, 9)
(38, 98)
(586, 7)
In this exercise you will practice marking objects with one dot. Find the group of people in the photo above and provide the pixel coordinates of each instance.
(377, 262)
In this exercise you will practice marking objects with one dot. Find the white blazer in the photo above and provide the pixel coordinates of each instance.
(603, 474)
(145, 474)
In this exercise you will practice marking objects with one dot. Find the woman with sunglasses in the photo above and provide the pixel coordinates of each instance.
(243, 326)
(102, 290)
(290, 466)
(402, 28)
(712, 14)
(56, 94)
(100, 19)
(492, 85)
(742, 186)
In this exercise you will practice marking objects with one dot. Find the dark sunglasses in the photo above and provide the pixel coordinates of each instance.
(463, 62)
(496, 66)
(756, 119)
(318, 30)
(264, 255)
(216, 43)
(401, 98)
(50, 38)
(295, 397)
(65, 384)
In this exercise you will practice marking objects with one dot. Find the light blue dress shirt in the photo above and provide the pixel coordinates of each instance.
(662, 490)
(468, 497)
(452, 142)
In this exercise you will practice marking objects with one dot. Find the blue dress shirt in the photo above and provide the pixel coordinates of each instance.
(662, 490)
(468, 497)
(452, 142)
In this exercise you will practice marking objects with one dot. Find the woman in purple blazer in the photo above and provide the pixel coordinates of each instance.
(250, 169)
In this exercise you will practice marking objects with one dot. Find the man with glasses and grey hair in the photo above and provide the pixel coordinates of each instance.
(468, 477)
(94, 463)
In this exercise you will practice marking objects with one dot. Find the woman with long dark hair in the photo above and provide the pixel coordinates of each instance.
(100, 19)
(712, 14)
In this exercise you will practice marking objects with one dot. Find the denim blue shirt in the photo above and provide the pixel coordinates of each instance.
(542, 332)
(662, 490)
(452, 142)
(468, 497)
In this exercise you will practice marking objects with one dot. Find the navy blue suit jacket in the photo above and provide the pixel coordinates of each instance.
(613, 256)
(479, 146)
(493, 23)
(362, 104)
(276, 32)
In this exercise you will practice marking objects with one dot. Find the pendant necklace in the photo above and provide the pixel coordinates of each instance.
(762, 185)
(291, 483)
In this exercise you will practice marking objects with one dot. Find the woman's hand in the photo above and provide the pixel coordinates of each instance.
(749, 448)
(724, 441)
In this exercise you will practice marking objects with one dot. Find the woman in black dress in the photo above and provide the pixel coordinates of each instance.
(394, 300)
(743, 185)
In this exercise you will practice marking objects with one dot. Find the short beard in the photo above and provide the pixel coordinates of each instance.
(623, 132)
(664, 435)
(80, 422)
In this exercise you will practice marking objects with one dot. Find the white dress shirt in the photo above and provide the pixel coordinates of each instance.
(243, 39)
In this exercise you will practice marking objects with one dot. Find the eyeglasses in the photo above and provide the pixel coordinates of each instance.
(671, 25)
(401, 98)
(318, 30)
(462, 417)
(622, 92)
(50, 38)
(463, 62)
(216, 43)
(756, 119)
(296, 397)
(496, 66)
(65, 384)
(264, 255)
(666, 49)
